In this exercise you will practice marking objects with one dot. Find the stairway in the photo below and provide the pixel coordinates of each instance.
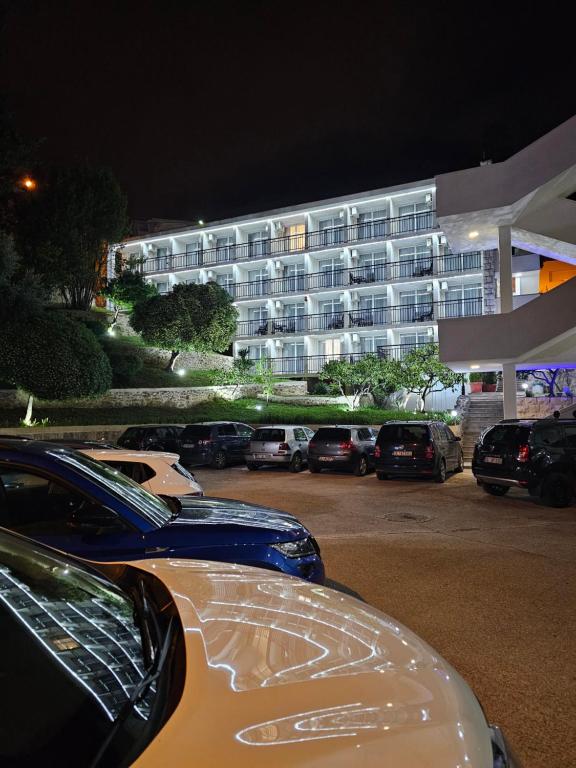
(484, 409)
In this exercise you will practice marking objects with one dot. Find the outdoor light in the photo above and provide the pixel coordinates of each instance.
(181, 371)
(201, 222)
(111, 331)
(257, 407)
(474, 367)
(453, 413)
(525, 385)
(28, 183)
(474, 234)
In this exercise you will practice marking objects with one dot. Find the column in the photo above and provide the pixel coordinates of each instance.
(505, 253)
(509, 386)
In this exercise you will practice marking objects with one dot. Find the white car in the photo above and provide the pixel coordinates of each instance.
(159, 472)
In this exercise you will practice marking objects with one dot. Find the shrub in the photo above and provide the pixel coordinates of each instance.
(125, 365)
(321, 388)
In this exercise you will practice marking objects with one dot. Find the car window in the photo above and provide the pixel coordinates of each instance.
(160, 432)
(135, 470)
(364, 434)
(570, 432)
(270, 435)
(333, 433)
(309, 432)
(404, 433)
(35, 505)
(226, 429)
(448, 432)
(197, 432)
(552, 435)
(299, 434)
(506, 436)
(244, 430)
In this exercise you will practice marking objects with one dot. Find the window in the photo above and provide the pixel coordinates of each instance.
(371, 224)
(244, 430)
(309, 433)
(259, 283)
(413, 216)
(258, 244)
(369, 344)
(227, 282)
(135, 470)
(296, 237)
(332, 231)
(226, 430)
(299, 434)
(331, 273)
(293, 358)
(463, 300)
(294, 277)
(258, 352)
(403, 433)
(505, 436)
(414, 261)
(416, 306)
(372, 267)
(192, 255)
(270, 435)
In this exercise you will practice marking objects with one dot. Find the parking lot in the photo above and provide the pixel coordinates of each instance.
(489, 582)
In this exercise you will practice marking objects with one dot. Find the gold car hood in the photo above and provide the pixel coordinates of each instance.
(281, 672)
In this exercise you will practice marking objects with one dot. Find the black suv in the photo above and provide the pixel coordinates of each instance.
(417, 449)
(537, 455)
(342, 447)
(153, 437)
(217, 443)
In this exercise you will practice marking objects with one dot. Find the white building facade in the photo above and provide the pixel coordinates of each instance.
(335, 279)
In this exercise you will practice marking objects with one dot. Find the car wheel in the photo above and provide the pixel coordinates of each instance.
(219, 461)
(382, 476)
(460, 465)
(361, 467)
(251, 466)
(441, 474)
(495, 490)
(296, 463)
(314, 468)
(557, 490)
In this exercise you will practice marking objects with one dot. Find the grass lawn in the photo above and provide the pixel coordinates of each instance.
(214, 410)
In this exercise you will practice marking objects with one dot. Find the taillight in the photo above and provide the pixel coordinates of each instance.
(283, 448)
(429, 451)
(346, 445)
(377, 452)
(523, 453)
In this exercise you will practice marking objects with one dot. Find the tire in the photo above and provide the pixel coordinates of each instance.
(441, 474)
(361, 467)
(296, 463)
(251, 466)
(460, 465)
(495, 490)
(382, 476)
(314, 468)
(557, 490)
(220, 460)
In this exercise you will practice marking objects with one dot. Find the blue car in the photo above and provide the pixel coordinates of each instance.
(74, 503)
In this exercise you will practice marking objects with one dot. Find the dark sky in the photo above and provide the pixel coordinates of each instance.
(215, 109)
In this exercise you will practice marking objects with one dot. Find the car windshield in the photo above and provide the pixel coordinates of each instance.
(71, 657)
(404, 433)
(333, 433)
(153, 509)
(270, 435)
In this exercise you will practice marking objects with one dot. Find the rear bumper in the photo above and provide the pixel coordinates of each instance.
(509, 482)
(270, 458)
(328, 460)
(416, 468)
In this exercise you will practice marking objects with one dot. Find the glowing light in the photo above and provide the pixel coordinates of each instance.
(181, 371)
(28, 183)
(474, 367)
(474, 234)
(258, 407)
(525, 385)
(453, 413)
(111, 331)
(201, 222)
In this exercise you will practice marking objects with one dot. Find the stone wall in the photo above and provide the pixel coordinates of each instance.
(169, 397)
(542, 407)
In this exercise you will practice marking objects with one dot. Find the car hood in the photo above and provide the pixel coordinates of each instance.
(286, 673)
(250, 522)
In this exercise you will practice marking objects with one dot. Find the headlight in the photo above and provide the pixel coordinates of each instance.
(300, 548)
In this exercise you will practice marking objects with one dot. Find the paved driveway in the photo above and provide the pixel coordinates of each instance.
(490, 583)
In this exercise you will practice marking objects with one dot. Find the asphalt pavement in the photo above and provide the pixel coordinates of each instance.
(489, 582)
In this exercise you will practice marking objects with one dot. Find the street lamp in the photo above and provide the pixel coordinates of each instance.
(28, 183)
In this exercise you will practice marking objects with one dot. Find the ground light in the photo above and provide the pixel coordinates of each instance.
(453, 413)
(181, 371)
(258, 407)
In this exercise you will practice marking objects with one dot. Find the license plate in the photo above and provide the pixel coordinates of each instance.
(262, 455)
(401, 453)
(326, 458)
(493, 459)
(188, 445)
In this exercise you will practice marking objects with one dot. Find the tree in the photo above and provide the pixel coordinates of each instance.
(264, 376)
(21, 290)
(65, 230)
(126, 290)
(52, 357)
(241, 372)
(422, 373)
(361, 377)
(194, 318)
(548, 376)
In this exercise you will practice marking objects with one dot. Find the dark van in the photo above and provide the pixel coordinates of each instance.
(417, 449)
(217, 443)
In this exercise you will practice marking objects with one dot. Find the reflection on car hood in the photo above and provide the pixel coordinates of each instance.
(316, 677)
(206, 510)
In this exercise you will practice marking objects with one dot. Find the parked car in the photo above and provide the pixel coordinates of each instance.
(279, 444)
(152, 437)
(417, 449)
(342, 447)
(217, 443)
(154, 661)
(159, 472)
(536, 455)
(72, 502)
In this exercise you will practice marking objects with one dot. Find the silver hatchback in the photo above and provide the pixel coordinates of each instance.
(279, 444)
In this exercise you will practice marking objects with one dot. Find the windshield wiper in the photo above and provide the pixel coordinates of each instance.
(149, 678)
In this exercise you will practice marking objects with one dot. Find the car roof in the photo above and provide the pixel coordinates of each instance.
(281, 426)
(118, 454)
(151, 426)
(215, 423)
(412, 421)
(35, 447)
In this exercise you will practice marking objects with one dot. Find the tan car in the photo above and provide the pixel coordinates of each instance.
(195, 663)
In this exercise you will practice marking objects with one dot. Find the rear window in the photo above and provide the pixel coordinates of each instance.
(334, 433)
(197, 431)
(404, 433)
(508, 435)
(270, 435)
(133, 432)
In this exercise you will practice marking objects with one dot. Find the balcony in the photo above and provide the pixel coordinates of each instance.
(404, 314)
(333, 237)
(452, 263)
(312, 364)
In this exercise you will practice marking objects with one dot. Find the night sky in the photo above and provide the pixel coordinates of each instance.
(209, 110)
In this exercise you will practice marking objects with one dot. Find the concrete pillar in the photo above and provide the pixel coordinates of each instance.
(505, 253)
(509, 386)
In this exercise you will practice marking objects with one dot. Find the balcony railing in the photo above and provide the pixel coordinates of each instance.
(313, 364)
(333, 237)
(404, 314)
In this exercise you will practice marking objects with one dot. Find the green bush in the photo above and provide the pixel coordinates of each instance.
(489, 377)
(125, 365)
(475, 377)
